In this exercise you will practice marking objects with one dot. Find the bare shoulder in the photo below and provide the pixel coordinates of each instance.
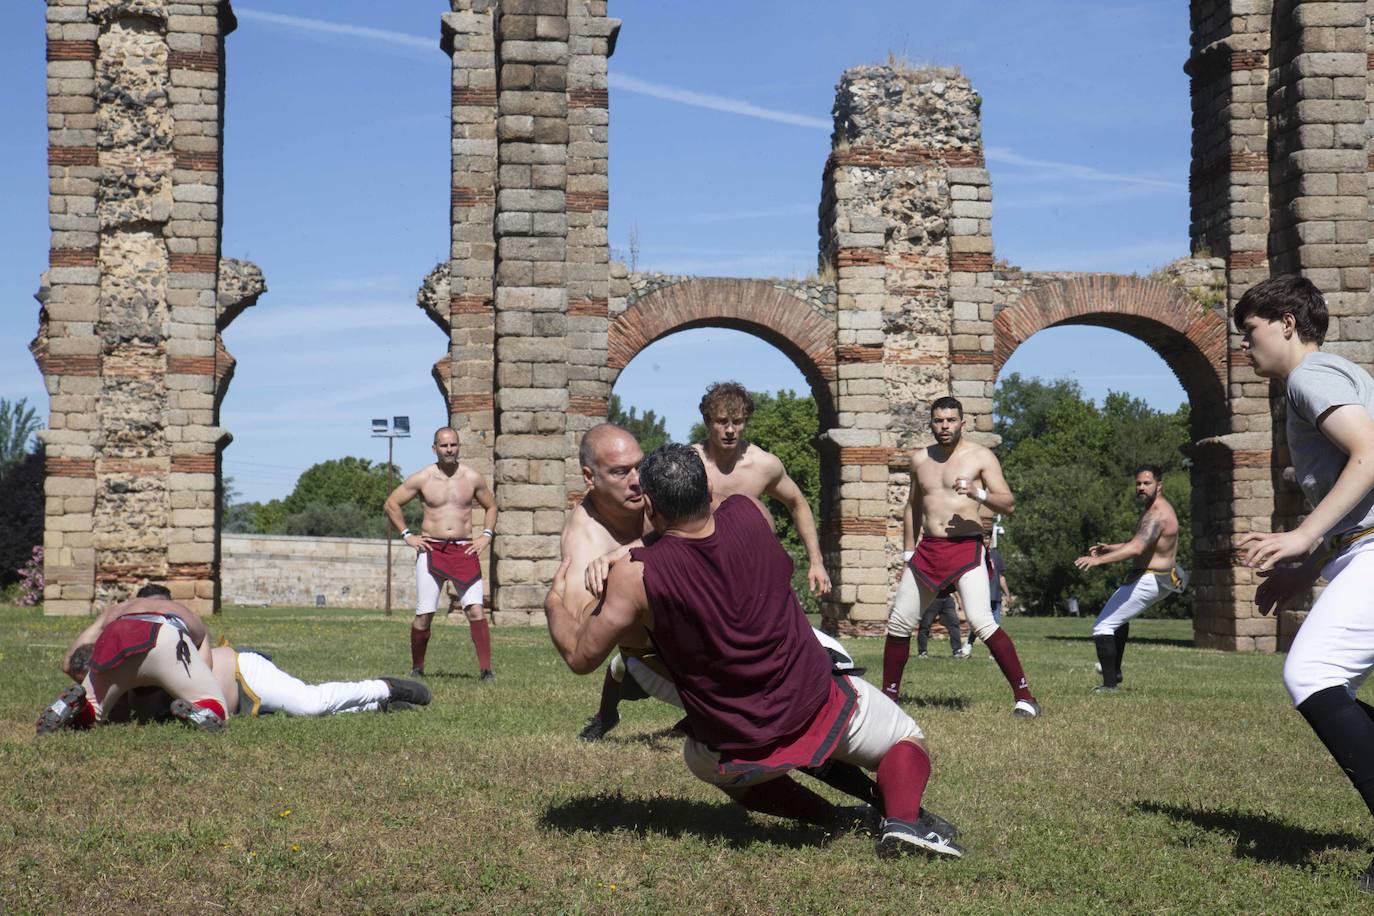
(474, 476)
(584, 537)
(762, 458)
(419, 477)
(918, 457)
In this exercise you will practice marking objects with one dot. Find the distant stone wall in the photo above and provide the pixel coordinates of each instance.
(281, 571)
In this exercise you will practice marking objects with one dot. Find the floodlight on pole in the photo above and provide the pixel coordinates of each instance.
(399, 429)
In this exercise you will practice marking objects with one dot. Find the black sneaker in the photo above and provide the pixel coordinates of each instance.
(487, 675)
(63, 710)
(407, 691)
(198, 717)
(1098, 668)
(940, 824)
(903, 838)
(596, 729)
(416, 672)
(856, 819)
(1365, 880)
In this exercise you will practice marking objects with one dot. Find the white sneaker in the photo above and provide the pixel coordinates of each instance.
(1026, 709)
(966, 651)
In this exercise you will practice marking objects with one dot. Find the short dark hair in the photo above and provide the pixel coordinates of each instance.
(727, 395)
(946, 403)
(81, 657)
(1278, 296)
(153, 590)
(1154, 469)
(674, 478)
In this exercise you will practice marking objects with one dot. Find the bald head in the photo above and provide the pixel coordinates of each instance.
(610, 458)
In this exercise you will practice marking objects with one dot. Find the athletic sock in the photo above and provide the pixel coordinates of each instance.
(902, 777)
(785, 797)
(215, 706)
(419, 641)
(848, 778)
(1004, 651)
(1123, 633)
(896, 651)
(84, 716)
(610, 699)
(1106, 657)
(1348, 734)
(481, 640)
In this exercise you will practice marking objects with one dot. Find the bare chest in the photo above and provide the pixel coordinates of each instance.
(440, 490)
(937, 476)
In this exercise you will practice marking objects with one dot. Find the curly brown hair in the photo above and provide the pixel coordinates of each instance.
(727, 395)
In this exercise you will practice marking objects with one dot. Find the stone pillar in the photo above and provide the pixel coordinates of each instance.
(128, 333)
(904, 139)
(461, 299)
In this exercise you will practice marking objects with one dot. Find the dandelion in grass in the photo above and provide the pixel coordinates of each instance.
(286, 812)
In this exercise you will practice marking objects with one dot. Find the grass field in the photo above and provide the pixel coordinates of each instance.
(1196, 789)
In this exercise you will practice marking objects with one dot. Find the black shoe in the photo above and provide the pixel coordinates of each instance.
(596, 729)
(63, 710)
(856, 819)
(487, 675)
(903, 838)
(939, 824)
(407, 691)
(416, 672)
(198, 717)
(1365, 880)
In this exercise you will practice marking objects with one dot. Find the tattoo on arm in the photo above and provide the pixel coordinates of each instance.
(1149, 530)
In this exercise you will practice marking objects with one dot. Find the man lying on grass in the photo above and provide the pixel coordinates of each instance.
(714, 594)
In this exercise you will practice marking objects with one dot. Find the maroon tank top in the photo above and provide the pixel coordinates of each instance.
(729, 628)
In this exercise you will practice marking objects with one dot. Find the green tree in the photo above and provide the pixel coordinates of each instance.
(1070, 464)
(649, 430)
(18, 423)
(341, 497)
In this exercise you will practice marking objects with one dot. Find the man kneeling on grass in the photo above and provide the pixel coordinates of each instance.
(713, 591)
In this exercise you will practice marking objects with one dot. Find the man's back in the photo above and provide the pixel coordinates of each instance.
(728, 626)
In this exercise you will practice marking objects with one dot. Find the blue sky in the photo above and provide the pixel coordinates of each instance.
(336, 170)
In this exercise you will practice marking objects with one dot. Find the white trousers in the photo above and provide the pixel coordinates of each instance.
(1335, 645)
(278, 691)
(428, 591)
(1130, 600)
(877, 725)
(975, 593)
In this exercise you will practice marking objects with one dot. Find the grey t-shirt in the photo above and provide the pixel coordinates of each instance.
(1323, 381)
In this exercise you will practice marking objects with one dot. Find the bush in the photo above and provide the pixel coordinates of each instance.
(21, 514)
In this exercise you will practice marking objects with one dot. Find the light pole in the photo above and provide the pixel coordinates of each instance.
(399, 429)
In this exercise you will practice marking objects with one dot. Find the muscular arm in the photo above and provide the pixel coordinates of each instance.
(484, 497)
(785, 490)
(999, 498)
(584, 645)
(909, 524)
(408, 490)
(1146, 535)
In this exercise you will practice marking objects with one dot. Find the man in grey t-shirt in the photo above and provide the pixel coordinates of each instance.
(1330, 428)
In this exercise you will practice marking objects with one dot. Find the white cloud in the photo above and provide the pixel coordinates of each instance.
(1076, 172)
(627, 83)
(326, 27)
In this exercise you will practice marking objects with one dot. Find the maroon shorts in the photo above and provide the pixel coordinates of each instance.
(811, 748)
(449, 561)
(123, 639)
(939, 563)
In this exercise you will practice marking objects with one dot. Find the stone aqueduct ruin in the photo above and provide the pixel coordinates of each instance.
(540, 321)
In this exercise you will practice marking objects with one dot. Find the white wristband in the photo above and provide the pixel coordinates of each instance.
(981, 495)
(489, 533)
(405, 533)
(907, 555)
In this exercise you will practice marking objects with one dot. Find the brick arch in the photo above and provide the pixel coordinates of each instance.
(803, 334)
(1188, 336)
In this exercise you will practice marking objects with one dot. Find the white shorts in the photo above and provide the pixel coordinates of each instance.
(1131, 599)
(877, 724)
(265, 688)
(654, 684)
(1335, 645)
(428, 591)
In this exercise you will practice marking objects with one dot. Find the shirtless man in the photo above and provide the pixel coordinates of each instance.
(762, 696)
(610, 516)
(951, 482)
(1154, 575)
(734, 465)
(445, 549)
(149, 641)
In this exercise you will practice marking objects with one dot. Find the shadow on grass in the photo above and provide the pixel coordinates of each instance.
(1135, 641)
(673, 817)
(663, 739)
(934, 701)
(1261, 837)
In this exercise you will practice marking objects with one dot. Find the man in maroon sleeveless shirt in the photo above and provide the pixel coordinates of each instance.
(713, 592)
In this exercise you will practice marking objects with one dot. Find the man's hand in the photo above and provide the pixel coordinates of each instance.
(599, 570)
(818, 579)
(1098, 550)
(1266, 550)
(420, 542)
(479, 544)
(1282, 584)
(1089, 561)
